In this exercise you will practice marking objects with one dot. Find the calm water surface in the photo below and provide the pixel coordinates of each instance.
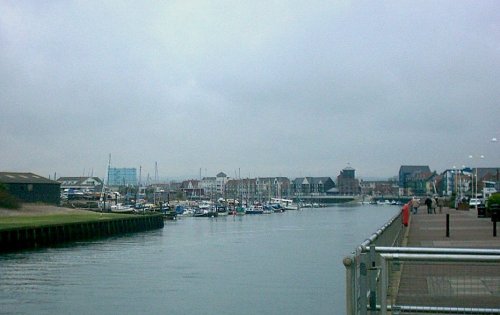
(287, 263)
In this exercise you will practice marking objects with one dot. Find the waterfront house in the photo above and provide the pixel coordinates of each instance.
(209, 185)
(245, 189)
(29, 187)
(303, 186)
(272, 187)
(220, 183)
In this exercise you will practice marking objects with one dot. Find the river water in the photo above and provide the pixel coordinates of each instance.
(283, 263)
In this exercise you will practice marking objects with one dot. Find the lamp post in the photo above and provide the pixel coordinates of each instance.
(472, 184)
(455, 180)
(494, 140)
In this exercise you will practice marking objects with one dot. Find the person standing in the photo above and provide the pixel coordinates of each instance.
(414, 205)
(434, 205)
(440, 204)
(428, 203)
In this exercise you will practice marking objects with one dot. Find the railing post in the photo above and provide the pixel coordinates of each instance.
(362, 302)
(373, 280)
(350, 285)
(383, 285)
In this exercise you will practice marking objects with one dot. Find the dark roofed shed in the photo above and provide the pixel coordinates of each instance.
(29, 187)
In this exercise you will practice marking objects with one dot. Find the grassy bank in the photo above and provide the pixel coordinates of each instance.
(8, 222)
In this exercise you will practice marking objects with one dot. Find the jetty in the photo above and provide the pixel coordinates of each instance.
(443, 263)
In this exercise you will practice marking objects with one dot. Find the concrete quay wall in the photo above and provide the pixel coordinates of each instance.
(48, 235)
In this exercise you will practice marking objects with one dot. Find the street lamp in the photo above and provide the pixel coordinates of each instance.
(472, 184)
(455, 180)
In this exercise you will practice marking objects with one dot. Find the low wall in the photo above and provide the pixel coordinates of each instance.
(33, 237)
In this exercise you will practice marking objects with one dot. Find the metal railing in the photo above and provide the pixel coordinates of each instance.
(382, 277)
(361, 279)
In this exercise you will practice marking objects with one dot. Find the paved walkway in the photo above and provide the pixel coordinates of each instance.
(450, 285)
(466, 230)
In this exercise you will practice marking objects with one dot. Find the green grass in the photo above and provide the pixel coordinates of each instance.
(9, 222)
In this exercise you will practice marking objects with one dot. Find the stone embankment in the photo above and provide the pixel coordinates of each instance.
(49, 234)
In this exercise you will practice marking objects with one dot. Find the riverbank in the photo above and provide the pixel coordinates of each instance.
(41, 215)
(35, 226)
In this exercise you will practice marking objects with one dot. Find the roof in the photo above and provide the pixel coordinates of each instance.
(24, 178)
(409, 169)
(487, 172)
(311, 180)
(78, 180)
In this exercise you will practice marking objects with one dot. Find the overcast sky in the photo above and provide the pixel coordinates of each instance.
(263, 88)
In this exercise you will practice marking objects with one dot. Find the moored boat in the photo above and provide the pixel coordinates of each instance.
(267, 209)
(288, 204)
(221, 210)
(204, 213)
(255, 209)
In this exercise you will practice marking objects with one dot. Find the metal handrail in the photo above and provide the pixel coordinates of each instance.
(434, 250)
(368, 265)
(456, 258)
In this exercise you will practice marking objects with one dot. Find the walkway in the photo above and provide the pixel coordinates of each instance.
(449, 285)
(466, 230)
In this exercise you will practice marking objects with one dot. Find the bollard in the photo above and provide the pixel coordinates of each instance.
(494, 219)
(447, 225)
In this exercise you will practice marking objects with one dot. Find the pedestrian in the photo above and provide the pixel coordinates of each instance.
(428, 203)
(440, 204)
(414, 205)
(434, 205)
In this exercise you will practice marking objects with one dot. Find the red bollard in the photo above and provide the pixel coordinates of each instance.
(406, 213)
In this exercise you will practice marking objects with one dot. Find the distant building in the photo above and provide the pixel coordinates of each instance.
(413, 179)
(220, 183)
(311, 185)
(258, 189)
(347, 184)
(242, 189)
(272, 187)
(122, 177)
(379, 188)
(209, 185)
(86, 184)
(214, 186)
(488, 174)
(192, 189)
(29, 187)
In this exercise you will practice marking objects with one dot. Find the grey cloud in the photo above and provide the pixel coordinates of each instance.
(272, 88)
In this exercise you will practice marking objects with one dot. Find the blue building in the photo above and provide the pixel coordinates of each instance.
(122, 176)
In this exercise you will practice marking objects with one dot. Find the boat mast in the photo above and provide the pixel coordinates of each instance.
(103, 190)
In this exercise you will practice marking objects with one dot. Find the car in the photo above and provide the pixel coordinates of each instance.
(473, 202)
